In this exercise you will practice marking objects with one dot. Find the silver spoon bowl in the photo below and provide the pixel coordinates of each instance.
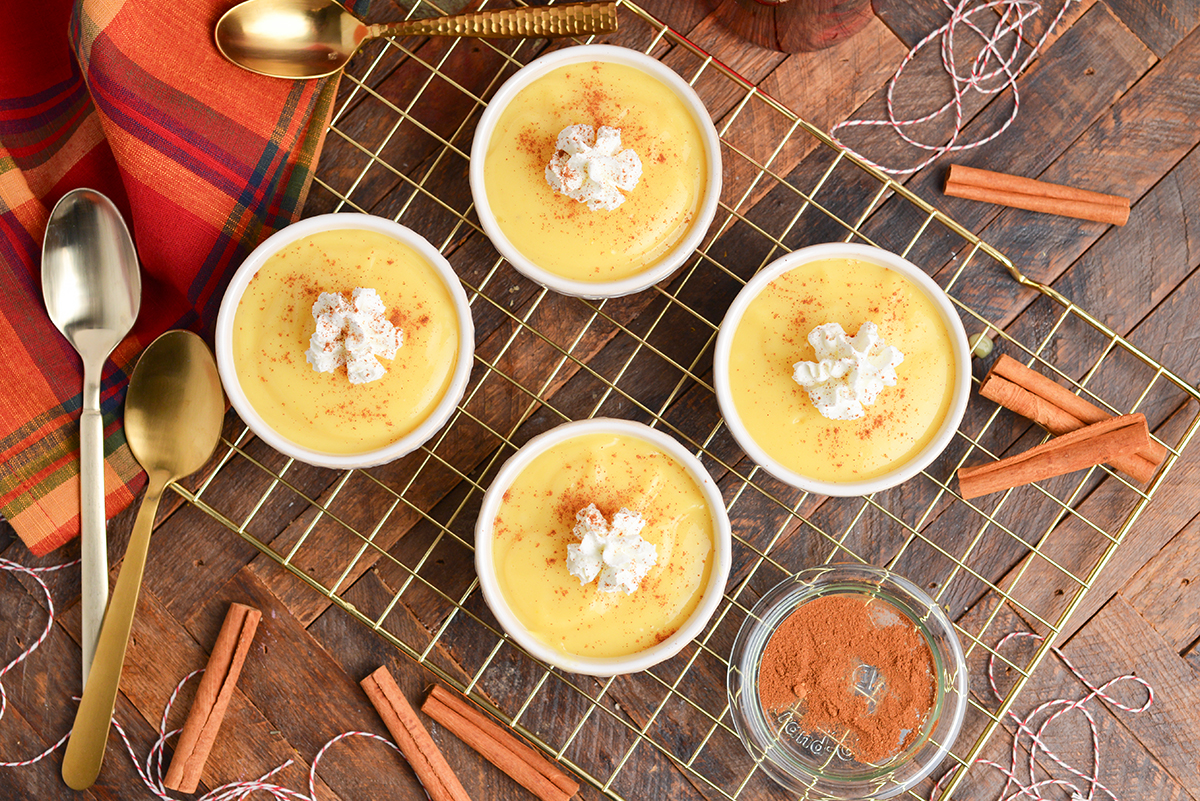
(93, 290)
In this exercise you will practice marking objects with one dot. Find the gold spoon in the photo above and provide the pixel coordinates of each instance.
(315, 38)
(173, 413)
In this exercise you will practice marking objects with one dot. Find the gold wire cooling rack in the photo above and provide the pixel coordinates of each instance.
(392, 546)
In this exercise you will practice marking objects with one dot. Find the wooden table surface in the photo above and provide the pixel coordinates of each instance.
(1111, 105)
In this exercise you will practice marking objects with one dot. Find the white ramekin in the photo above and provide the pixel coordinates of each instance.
(335, 222)
(883, 258)
(617, 665)
(673, 258)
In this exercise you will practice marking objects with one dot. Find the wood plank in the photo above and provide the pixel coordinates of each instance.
(911, 20)
(54, 667)
(745, 58)
(681, 17)
(1160, 25)
(359, 653)
(297, 685)
(18, 742)
(161, 653)
(1160, 333)
(1118, 639)
(1040, 136)
(39, 693)
(1036, 27)
(187, 571)
(1127, 151)
(861, 64)
(1166, 591)
(1075, 545)
(1127, 767)
(375, 124)
(858, 66)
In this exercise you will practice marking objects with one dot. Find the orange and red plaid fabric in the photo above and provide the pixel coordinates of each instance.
(204, 160)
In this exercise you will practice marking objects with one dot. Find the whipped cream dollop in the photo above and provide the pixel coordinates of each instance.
(589, 166)
(353, 333)
(616, 552)
(850, 372)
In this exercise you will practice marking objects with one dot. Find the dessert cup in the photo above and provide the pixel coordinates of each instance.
(957, 387)
(494, 593)
(459, 370)
(670, 260)
(808, 760)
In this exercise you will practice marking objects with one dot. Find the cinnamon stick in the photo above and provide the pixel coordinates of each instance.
(1055, 420)
(495, 743)
(1065, 399)
(1033, 195)
(414, 741)
(973, 176)
(1083, 448)
(212, 698)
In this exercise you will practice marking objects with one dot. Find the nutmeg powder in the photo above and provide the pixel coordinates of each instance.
(816, 657)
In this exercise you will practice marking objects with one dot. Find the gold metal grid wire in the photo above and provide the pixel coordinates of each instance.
(392, 546)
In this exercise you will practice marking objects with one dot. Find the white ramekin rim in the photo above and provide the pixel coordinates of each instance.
(335, 222)
(608, 666)
(883, 258)
(674, 258)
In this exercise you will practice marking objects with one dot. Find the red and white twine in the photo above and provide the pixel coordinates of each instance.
(34, 573)
(151, 771)
(993, 70)
(1037, 737)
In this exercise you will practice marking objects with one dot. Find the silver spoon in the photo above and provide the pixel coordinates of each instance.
(93, 289)
(173, 414)
(315, 38)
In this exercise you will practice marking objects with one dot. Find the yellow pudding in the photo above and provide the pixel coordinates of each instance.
(273, 324)
(564, 236)
(772, 336)
(533, 527)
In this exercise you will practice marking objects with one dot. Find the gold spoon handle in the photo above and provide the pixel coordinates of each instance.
(579, 19)
(85, 750)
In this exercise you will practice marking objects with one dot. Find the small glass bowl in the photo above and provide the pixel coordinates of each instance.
(812, 762)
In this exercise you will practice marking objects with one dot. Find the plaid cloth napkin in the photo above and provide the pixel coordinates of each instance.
(204, 160)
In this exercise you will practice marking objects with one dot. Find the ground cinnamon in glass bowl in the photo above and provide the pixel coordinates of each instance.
(832, 655)
(847, 681)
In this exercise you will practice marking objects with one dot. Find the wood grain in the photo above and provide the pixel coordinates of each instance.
(1118, 636)
(1165, 592)
(1159, 25)
(1125, 762)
